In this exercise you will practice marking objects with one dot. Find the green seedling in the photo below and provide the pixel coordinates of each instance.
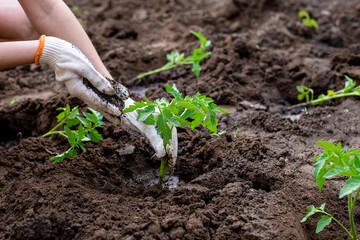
(350, 89)
(337, 161)
(81, 21)
(306, 93)
(12, 102)
(309, 22)
(181, 111)
(76, 8)
(176, 58)
(77, 130)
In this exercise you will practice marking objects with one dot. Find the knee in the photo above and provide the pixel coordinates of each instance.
(14, 24)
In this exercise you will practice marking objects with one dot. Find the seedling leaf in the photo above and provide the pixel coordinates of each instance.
(352, 185)
(323, 222)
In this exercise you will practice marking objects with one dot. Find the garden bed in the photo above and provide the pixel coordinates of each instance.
(252, 182)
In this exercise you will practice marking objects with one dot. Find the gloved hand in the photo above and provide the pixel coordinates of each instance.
(130, 124)
(71, 66)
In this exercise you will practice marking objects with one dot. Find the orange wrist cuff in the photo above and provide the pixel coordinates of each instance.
(40, 50)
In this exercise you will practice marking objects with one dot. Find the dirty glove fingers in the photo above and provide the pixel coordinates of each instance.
(140, 129)
(129, 123)
(77, 88)
(172, 148)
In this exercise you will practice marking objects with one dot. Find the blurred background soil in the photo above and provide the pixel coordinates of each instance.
(252, 182)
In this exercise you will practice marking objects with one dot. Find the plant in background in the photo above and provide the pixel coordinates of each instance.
(181, 111)
(306, 93)
(337, 161)
(309, 22)
(77, 130)
(175, 58)
(350, 89)
(12, 102)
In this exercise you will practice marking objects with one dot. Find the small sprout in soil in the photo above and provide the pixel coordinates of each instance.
(176, 59)
(81, 21)
(12, 102)
(76, 8)
(217, 134)
(236, 132)
(181, 111)
(309, 22)
(337, 161)
(77, 130)
(350, 89)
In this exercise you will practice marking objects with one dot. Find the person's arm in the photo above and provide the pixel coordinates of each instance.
(54, 18)
(14, 54)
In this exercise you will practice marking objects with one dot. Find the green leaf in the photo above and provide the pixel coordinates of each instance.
(198, 118)
(95, 136)
(222, 110)
(96, 114)
(143, 114)
(323, 222)
(196, 69)
(329, 146)
(71, 136)
(85, 122)
(67, 110)
(90, 117)
(322, 207)
(300, 89)
(150, 120)
(72, 122)
(312, 210)
(12, 102)
(82, 146)
(356, 161)
(59, 158)
(81, 133)
(304, 14)
(208, 125)
(136, 105)
(320, 164)
(313, 23)
(349, 84)
(60, 116)
(187, 113)
(174, 91)
(352, 185)
(187, 105)
(74, 113)
(300, 97)
(163, 129)
(168, 115)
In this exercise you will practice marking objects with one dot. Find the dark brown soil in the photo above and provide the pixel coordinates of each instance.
(253, 182)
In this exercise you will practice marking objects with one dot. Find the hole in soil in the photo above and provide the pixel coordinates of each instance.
(14, 126)
(151, 177)
(9, 137)
(258, 185)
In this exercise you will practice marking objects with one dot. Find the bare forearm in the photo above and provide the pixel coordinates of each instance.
(54, 18)
(13, 54)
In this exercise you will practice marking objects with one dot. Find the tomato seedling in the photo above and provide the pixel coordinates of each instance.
(181, 111)
(350, 89)
(77, 130)
(337, 161)
(176, 58)
(309, 22)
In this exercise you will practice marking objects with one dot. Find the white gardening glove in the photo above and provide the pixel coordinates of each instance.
(136, 128)
(71, 66)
